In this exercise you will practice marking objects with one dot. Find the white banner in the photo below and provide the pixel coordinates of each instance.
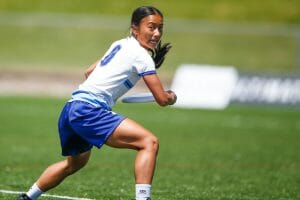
(215, 87)
(204, 86)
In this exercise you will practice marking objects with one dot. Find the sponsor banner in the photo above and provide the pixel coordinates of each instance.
(215, 87)
(267, 90)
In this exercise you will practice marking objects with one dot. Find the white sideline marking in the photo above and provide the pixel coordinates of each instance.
(46, 195)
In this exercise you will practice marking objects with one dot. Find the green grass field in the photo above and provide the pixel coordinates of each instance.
(229, 10)
(66, 35)
(242, 152)
(42, 45)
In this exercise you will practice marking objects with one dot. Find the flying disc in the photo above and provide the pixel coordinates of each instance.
(138, 98)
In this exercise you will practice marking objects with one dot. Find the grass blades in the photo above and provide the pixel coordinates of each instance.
(238, 153)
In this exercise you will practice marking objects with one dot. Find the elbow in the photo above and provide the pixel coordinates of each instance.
(87, 73)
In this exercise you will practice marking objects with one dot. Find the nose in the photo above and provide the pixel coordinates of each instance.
(157, 32)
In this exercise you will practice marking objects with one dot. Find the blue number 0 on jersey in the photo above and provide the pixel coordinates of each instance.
(108, 58)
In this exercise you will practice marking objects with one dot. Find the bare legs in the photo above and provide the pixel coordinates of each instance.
(130, 134)
(57, 172)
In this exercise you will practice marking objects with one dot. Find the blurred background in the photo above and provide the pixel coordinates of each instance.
(48, 41)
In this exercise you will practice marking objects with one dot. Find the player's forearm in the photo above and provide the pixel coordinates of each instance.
(162, 97)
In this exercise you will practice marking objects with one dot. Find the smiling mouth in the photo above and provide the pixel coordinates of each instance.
(154, 42)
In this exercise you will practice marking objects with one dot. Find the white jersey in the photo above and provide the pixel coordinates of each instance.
(125, 62)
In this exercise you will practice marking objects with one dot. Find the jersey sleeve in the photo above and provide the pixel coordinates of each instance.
(144, 64)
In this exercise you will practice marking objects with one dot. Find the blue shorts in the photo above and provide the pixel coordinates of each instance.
(82, 125)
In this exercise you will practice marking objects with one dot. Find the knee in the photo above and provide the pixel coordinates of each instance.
(69, 169)
(151, 144)
(72, 167)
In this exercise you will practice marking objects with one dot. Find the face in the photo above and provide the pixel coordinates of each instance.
(149, 31)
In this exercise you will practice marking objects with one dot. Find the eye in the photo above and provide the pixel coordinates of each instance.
(160, 28)
(151, 27)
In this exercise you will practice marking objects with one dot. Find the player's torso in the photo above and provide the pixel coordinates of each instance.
(117, 71)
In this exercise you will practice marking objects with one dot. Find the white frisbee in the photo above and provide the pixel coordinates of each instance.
(138, 98)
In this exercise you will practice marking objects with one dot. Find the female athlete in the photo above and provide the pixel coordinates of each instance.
(87, 119)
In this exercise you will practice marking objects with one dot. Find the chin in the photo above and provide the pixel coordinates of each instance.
(152, 46)
(148, 45)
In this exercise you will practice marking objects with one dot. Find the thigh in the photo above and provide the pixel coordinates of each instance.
(129, 134)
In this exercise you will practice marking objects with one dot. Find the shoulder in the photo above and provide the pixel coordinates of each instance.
(130, 49)
(140, 52)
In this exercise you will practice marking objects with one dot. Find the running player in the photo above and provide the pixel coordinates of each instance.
(87, 119)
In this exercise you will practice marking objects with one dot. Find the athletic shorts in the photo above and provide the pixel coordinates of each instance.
(83, 125)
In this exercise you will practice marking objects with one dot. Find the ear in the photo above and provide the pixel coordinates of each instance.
(134, 30)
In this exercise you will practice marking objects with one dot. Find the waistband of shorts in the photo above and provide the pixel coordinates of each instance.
(88, 97)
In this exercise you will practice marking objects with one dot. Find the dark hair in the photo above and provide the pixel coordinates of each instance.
(142, 12)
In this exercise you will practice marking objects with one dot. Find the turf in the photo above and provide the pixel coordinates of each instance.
(73, 42)
(238, 153)
(40, 34)
(220, 10)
